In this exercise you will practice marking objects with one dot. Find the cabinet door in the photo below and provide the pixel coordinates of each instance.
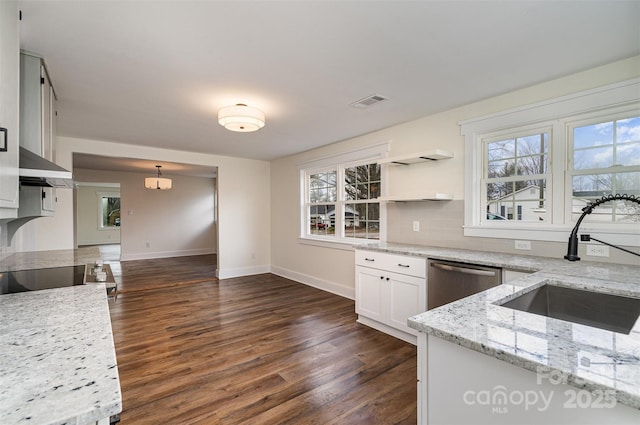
(370, 286)
(407, 297)
(9, 95)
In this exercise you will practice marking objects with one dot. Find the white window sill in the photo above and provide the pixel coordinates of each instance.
(343, 245)
(553, 234)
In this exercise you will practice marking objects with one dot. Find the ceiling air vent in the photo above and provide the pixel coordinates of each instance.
(369, 101)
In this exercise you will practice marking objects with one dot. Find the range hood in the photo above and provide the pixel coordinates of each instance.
(34, 170)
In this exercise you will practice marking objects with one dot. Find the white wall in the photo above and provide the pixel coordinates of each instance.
(244, 190)
(173, 223)
(89, 216)
(334, 269)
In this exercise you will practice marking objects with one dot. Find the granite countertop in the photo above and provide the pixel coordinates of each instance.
(45, 259)
(588, 357)
(57, 357)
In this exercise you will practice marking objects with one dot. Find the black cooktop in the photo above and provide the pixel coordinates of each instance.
(37, 279)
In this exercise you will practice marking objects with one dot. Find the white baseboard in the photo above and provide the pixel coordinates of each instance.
(165, 254)
(241, 271)
(334, 288)
(104, 242)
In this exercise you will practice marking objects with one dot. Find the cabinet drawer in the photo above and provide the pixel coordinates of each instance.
(412, 266)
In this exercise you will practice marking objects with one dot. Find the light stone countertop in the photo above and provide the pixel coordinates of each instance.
(57, 357)
(588, 357)
(45, 259)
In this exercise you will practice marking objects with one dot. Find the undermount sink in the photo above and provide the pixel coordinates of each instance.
(611, 312)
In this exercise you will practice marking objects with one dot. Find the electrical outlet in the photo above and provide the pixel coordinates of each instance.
(416, 226)
(148, 244)
(598, 250)
(525, 245)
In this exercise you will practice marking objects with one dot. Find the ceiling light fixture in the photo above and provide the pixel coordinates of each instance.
(240, 117)
(158, 183)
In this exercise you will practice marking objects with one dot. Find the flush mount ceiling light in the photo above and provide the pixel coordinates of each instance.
(241, 117)
(158, 183)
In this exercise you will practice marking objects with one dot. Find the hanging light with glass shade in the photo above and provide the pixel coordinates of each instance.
(158, 183)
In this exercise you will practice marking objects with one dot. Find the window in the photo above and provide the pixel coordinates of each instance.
(516, 172)
(340, 200)
(109, 210)
(530, 171)
(606, 161)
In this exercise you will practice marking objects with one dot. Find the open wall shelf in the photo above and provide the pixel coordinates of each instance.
(416, 158)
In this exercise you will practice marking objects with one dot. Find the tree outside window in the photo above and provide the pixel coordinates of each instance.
(341, 202)
(110, 210)
(516, 177)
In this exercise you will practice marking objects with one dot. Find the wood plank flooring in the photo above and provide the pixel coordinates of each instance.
(254, 350)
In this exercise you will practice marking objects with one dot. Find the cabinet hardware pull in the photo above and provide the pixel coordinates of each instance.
(369, 259)
(403, 265)
(5, 139)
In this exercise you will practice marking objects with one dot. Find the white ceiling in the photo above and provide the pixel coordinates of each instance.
(155, 73)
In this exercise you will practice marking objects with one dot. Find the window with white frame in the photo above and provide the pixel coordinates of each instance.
(339, 201)
(605, 161)
(516, 172)
(108, 210)
(530, 171)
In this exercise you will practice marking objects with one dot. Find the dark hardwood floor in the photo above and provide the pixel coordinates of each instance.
(254, 350)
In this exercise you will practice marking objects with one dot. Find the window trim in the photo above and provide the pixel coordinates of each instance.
(620, 98)
(365, 155)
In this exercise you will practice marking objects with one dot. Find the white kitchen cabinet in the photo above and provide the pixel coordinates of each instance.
(389, 289)
(37, 130)
(417, 158)
(457, 385)
(9, 106)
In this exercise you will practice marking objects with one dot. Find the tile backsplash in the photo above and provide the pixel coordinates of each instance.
(441, 225)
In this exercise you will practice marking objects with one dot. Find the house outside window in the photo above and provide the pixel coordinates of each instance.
(516, 174)
(339, 201)
(530, 171)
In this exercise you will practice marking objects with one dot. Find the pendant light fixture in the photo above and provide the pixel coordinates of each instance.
(240, 117)
(158, 183)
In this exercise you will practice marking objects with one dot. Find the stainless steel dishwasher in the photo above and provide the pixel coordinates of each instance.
(448, 281)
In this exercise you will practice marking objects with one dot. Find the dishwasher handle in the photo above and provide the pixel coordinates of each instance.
(464, 270)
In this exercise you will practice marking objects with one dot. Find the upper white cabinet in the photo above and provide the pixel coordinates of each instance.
(37, 130)
(417, 158)
(9, 101)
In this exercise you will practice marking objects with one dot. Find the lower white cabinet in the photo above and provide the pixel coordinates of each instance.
(389, 289)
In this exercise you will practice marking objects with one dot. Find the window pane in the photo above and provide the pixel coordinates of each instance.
(322, 219)
(599, 157)
(596, 147)
(628, 130)
(524, 201)
(593, 135)
(362, 221)
(594, 186)
(502, 149)
(322, 187)
(502, 168)
(527, 155)
(362, 182)
(110, 211)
